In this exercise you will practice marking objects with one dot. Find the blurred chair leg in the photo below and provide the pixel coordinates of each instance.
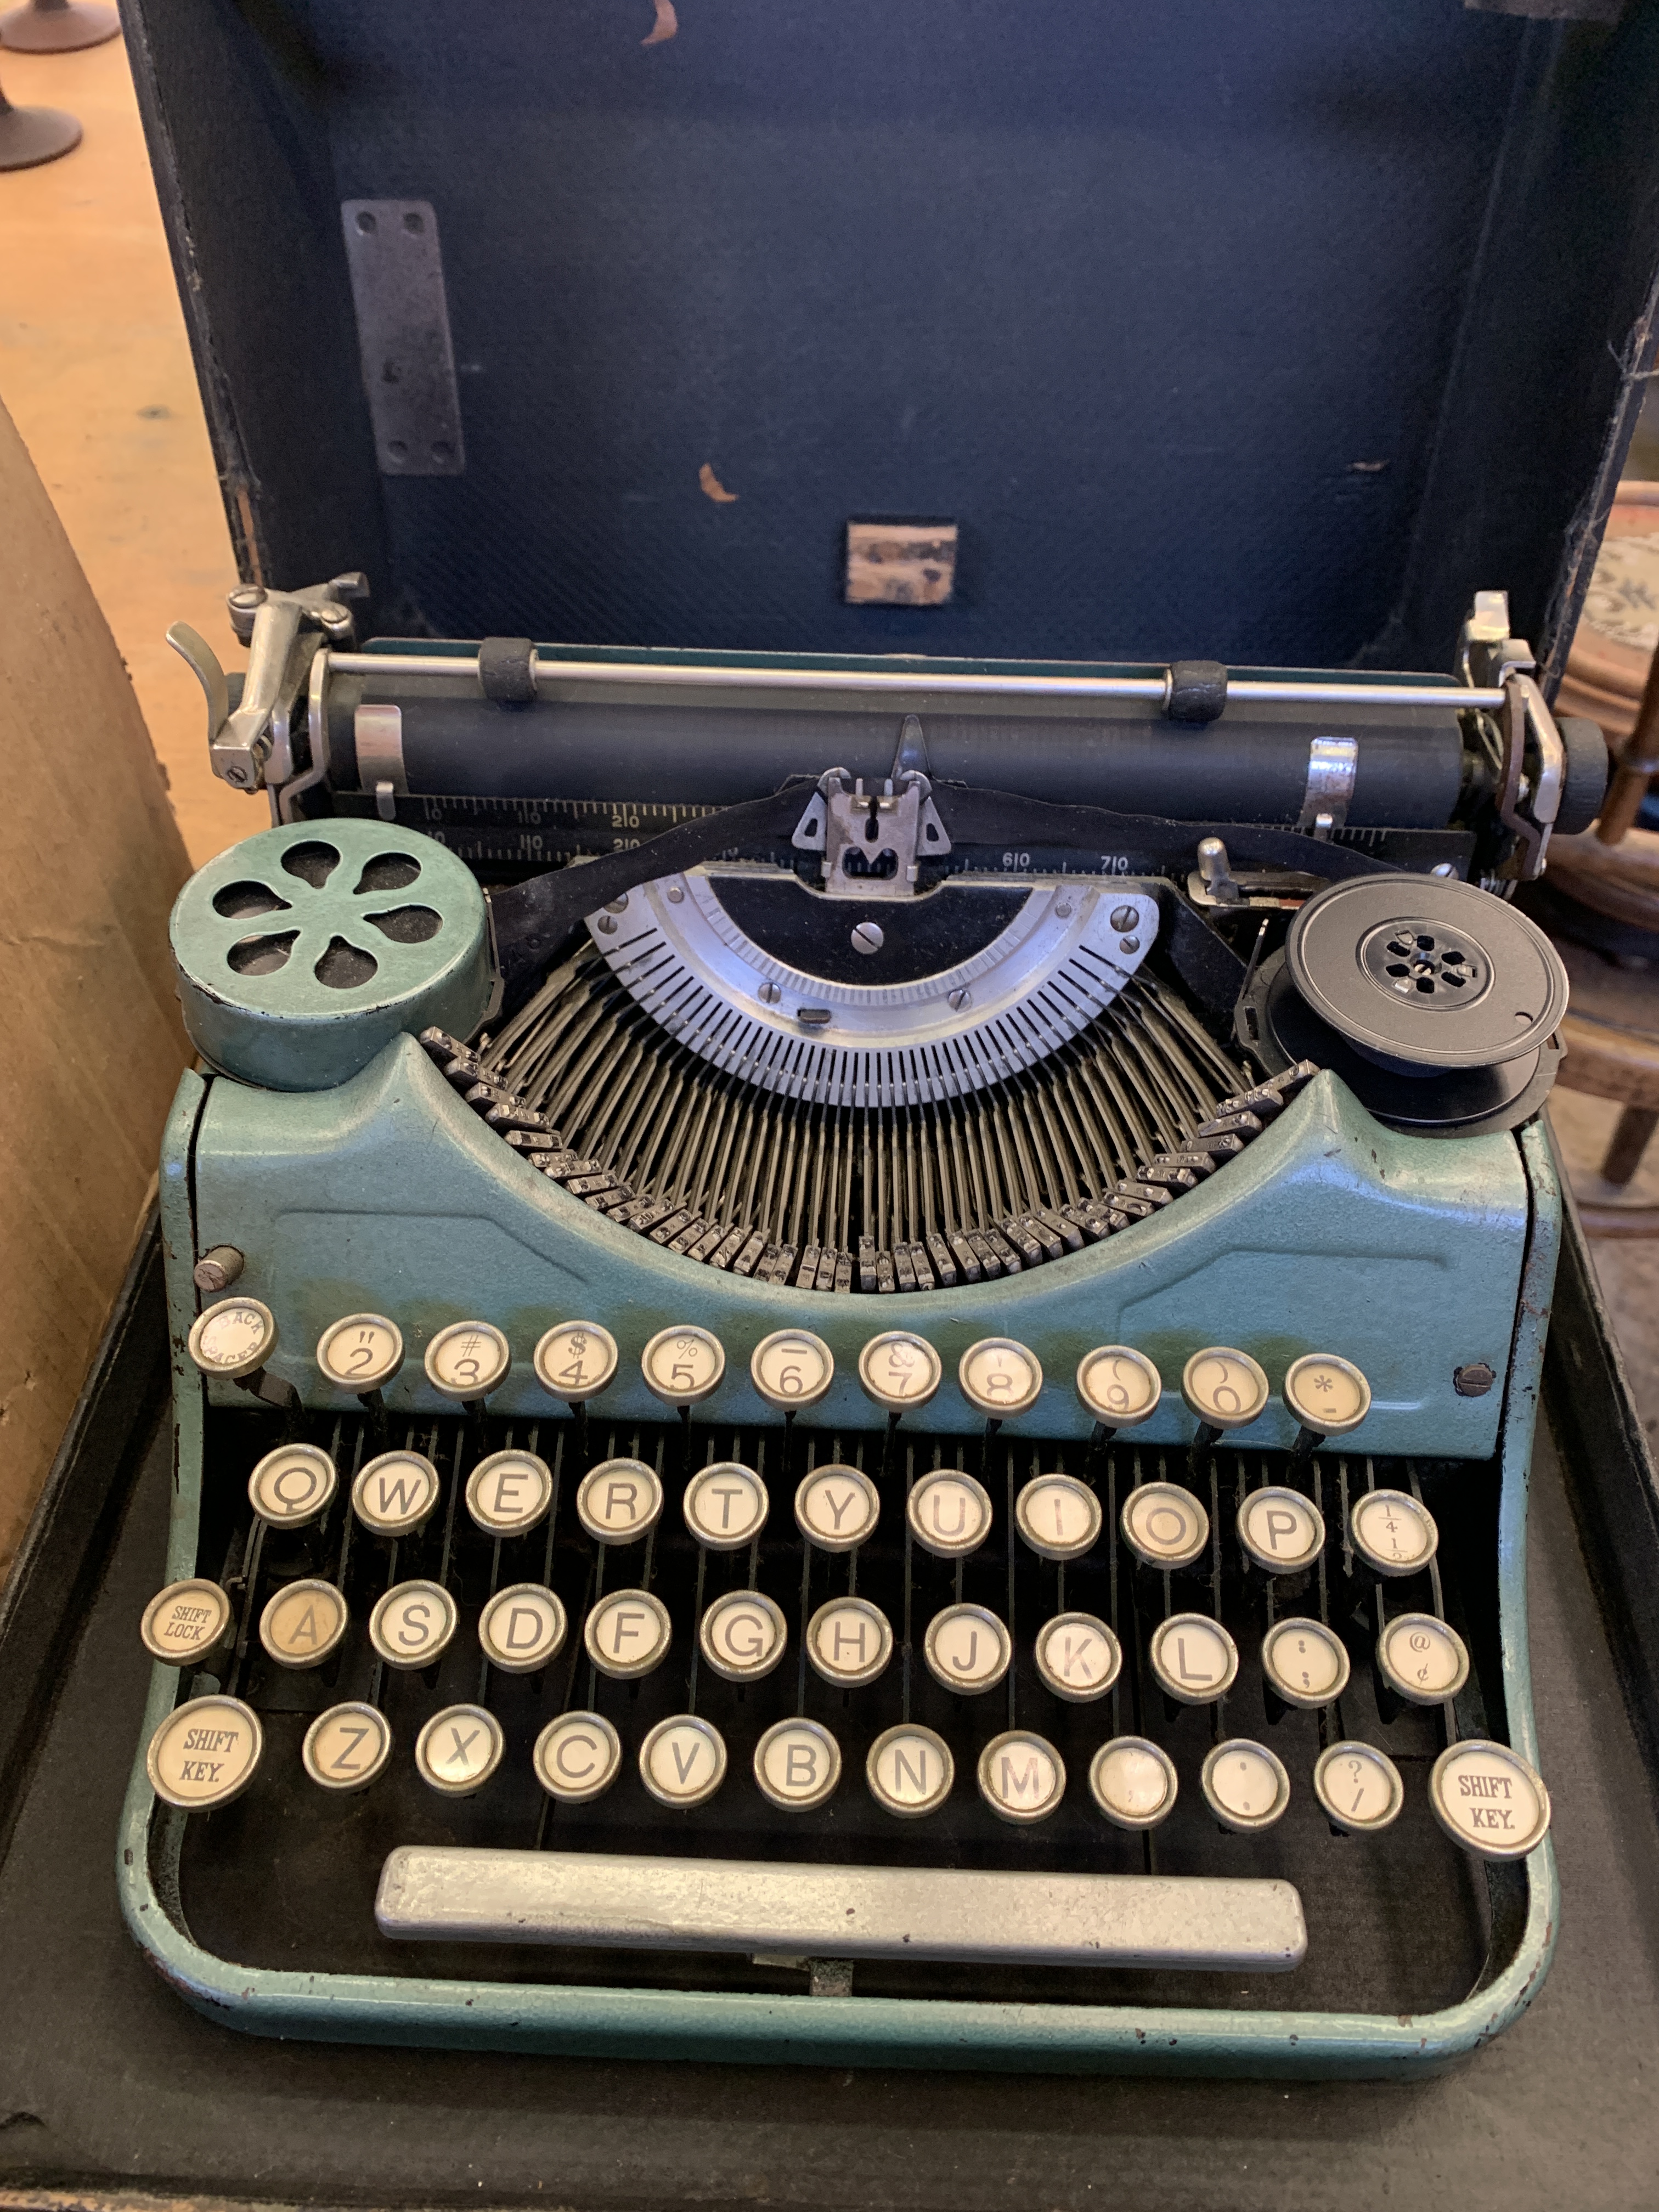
(57, 27)
(29, 136)
(1630, 1140)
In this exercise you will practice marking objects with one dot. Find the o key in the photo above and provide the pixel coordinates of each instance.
(577, 1758)
(360, 1353)
(509, 1492)
(204, 1753)
(683, 1760)
(347, 1748)
(459, 1749)
(1164, 1525)
(185, 1621)
(292, 1486)
(683, 1366)
(575, 1361)
(1077, 1657)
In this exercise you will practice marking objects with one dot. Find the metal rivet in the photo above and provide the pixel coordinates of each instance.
(675, 894)
(1128, 944)
(1063, 913)
(616, 905)
(1125, 917)
(867, 937)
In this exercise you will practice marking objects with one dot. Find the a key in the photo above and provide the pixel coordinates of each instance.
(1225, 1390)
(185, 1622)
(1487, 1798)
(412, 1625)
(628, 1633)
(837, 1508)
(1394, 1532)
(849, 1642)
(1057, 1516)
(291, 1485)
(360, 1353)
(1328, 1397)
(467, 1361)
(1194, 1658)
(619, 1500)
(684, 1365)
(577, 1758)
(909, 1770)
(683, 1760)
(347, 1748)
(1422, 1659)
(459, 1749)
(1021, 1777)
(1164, 1525)
(725, 1505)
(1133, 1781)
(522, 1628)
(791, 1369)
(1120, 1387)
(509, 1492)
(1245, 1785)
(1281, 1531)
(1077, 1657)
(950, 1513)
(1305, 1662)
(302, 1623)
(1359, 1786)
(394, 1495)
(797, 1765)
(204, 1753)
(968, 1649)
(742, 1636)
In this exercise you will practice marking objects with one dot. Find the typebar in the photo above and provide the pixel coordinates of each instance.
(432, 1893)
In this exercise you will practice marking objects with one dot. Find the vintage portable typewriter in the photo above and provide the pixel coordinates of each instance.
(855, 1348)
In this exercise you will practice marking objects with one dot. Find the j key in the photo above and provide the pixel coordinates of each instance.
(968, 1649)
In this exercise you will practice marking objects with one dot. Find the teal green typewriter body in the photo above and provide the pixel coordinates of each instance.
(376, 1137)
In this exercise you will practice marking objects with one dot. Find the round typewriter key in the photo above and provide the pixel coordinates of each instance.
(303, 1623)
(1422, 1659)
(459, 1749)
(1133, 1781)
(899, 1369)
(1359, 1788)
(966, 1649)
(1305, 1662)
(837, 1508)
(797, 1765)
(628, 1633)
(577, 1758)
(1280, 1530)
(1164, 1525)
(509, 1492)
(522, 1628)
(950, 1513)
(791, 1369)
(394, 1495)
(849, 1642)
(742, 1636)
(619, 1500)
(1077, 1656)
(1119, 1387)
(234, 1337)
(683, 1366)
(1327, 1396)
(575, 1361)
(1226, 1389)
(1393, 1533)
(909, 1770)
(361, 1353)
(468, 1360)
(1194, 1659)
(347, 1748)
(1059, 1516)
(292, 1485)
(998, 1378)
(683, 1760)
(725, 1505)
(204, 1753)
(1021, 1777)
(412, 1624)
(1245, 1785)
(1487, 1798)
(183, 1622)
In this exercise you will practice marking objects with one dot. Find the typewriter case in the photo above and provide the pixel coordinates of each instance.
(1227, 361)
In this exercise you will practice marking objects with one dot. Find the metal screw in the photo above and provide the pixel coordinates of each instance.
(218, 1269)
(867, 937)
(1444, 868)
(770, 993)
(960, 998)
(617, 906)
(606, 924)
(1128, 944)
(1125, 917)
(1472, 1382)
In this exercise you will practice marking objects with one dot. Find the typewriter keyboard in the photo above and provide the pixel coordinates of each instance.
(883, 1679)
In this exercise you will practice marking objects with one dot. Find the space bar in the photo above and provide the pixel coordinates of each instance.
(437, 1893)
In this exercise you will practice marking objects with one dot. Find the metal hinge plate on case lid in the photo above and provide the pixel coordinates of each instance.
(403, 336)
